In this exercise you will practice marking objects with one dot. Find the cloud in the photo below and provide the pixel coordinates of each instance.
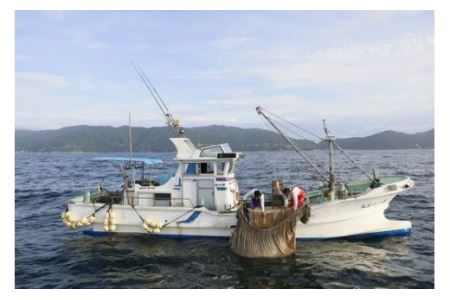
(87, 39)
(29, 83)
(23, 57)
(57, 15)
(405, 60)
(232, 42)
(369, 70)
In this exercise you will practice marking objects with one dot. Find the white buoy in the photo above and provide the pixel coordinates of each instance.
(106, 228)
(112, 222)
(112, 227)
(148, 221)
(85, 221)
(70, 218)
(79, 223)
(91, 219)
(112, 215)
(156, 230)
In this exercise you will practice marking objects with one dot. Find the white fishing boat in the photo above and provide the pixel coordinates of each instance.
(201, 199)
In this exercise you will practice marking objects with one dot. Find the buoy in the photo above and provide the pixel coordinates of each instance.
(156, 230)
(106, 228)
(145, 226)
(79, 223)
(70, 218)
(112, 215)
(73, 226)
(112, 227)
(112, 221)
(91, 219)
(148, 221)
(84, 221)
(67, 223)
(106, 222)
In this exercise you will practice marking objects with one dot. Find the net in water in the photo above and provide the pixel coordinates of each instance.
(269, 234)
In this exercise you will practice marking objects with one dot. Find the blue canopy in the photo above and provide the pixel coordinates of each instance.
(148, 161)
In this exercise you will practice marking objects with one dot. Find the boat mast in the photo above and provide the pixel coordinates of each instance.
(330, 140)
(260, 112)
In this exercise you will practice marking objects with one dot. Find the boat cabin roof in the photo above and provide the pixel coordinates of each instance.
(187, 151)
(147, 161)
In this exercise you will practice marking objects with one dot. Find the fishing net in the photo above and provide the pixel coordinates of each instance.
(269, 234)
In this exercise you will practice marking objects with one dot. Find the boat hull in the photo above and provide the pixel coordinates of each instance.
(355, 217)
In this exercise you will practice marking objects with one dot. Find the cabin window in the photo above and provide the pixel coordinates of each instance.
(231, 167)
(206, 168)
(162, 199)
(221, 168)
(211, 151)
(191, 169)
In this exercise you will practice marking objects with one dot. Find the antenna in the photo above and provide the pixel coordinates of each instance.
(330, 140)
(132, 164)
(129, 137)
(170, 120)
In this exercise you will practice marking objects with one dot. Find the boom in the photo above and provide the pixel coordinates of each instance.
(170, 120)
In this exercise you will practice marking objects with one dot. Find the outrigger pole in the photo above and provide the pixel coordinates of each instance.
(260, 112)
(171, 121)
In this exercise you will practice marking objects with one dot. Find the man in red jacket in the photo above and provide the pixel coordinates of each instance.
(295, 197)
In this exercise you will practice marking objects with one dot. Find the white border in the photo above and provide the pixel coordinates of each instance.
(442, 17)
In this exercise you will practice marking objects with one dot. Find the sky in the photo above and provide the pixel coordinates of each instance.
(362, 71)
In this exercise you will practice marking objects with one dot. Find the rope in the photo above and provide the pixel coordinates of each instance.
(313, 161)
(302, 137)
(98, 209)
(142, 219)
(296, 126)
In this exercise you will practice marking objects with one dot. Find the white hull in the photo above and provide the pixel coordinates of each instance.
(356, 216)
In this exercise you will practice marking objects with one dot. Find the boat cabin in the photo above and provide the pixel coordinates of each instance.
(205, 178)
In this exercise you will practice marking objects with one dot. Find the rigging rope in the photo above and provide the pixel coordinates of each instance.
(296, 126)
(314, 162)
(358, 166)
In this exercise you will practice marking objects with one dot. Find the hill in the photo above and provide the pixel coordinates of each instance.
(389, 140)
(155, 139)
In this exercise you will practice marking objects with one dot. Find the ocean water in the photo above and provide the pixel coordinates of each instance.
(49, 255)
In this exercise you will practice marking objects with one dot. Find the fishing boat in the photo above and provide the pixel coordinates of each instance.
(201, 199)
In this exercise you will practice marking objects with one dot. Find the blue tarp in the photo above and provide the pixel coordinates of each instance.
(148, 161)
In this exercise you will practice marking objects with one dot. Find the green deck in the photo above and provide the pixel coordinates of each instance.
(355, 187)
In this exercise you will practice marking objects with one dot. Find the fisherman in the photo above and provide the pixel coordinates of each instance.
(278, 199)
(258, 200)
(294, 197)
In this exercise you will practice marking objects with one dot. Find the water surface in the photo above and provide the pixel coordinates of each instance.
(48, 255)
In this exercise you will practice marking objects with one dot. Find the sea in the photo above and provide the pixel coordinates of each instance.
(49, 255)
